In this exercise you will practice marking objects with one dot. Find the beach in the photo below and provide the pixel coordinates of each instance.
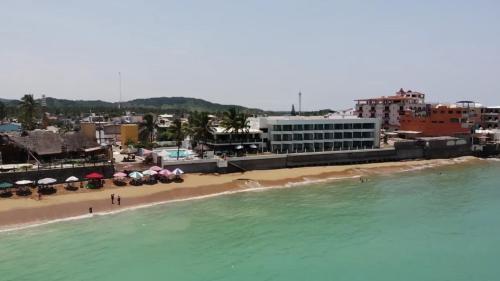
(67, 204)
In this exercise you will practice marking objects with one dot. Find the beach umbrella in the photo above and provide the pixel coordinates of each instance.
(94, 176)
(135, 175)
(149, 173)
(165, 172)
(47, 181)
(177, 172)
(72, 179)
(119, 175)
(239, 147)
(5, 185)
(253, 146)
(24, 182)
(155, 168)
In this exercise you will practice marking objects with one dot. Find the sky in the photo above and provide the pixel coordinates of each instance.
(252, 53)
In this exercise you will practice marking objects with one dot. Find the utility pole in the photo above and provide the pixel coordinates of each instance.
(300, 103)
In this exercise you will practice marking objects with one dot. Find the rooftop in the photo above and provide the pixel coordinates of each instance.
(319, 117)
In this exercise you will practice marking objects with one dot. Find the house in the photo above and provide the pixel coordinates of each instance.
(46, 146)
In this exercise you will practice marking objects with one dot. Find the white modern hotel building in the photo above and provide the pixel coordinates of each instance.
(291, 134)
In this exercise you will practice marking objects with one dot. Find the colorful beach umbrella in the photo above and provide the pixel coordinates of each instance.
(177, 172)
(5, 185)
(135, 175)
(155, 168)
(119, 175)
(149, 173)
(94, 176)
(24, 182)
(72, 179)
(165, 172)
(47, 181)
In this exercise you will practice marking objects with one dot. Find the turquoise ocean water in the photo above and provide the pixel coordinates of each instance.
(437, 224)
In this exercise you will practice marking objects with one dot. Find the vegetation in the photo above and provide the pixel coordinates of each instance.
(200, 127)
(178, 132)
(235, 122)
(3, 112)
(147, 128)
(28, 108)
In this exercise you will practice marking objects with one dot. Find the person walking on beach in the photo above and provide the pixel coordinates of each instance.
(119, 200)
(112, 198)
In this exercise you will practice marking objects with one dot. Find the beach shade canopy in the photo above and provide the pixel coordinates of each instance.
(5, 185)
(94, 176)
(119, 175)
(165, 172)
(71, 179)
(47, 181)
(135, 175)
(24, 182)
(149, 173)
(177, 172)
(155, 168)
(239, 147)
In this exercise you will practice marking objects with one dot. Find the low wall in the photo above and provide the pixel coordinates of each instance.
(405, 151)
(199, 166)
(59, 174)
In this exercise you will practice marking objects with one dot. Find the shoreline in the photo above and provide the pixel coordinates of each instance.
(22, 213)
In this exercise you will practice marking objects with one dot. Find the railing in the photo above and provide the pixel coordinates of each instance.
(234, 141)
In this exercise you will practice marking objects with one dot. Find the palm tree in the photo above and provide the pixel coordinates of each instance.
(178, 132)
(3, 112)
(148, 127)
(230, 121)
(200, 127)
(28, 109)
(235, 122)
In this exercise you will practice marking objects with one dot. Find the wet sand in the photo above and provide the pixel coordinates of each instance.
(65, 204)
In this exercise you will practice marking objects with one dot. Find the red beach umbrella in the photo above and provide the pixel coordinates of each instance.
(94, 176)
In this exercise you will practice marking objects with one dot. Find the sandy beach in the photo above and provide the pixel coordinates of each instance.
(65, 204)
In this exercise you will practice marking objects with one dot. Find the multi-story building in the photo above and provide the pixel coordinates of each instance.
(317, 133)
(441, 120)
(390, 108)
(490, 116)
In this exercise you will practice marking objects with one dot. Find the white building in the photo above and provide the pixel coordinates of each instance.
(390, 108)
(317, 133)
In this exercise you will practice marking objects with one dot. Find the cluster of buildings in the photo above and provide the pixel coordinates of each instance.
(404, 115)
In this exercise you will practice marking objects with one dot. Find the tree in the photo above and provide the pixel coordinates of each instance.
(178, 131)
(235, 122)
(148, 127)
(28, 108)
(200, 128)
(3, 111)
(293, 113)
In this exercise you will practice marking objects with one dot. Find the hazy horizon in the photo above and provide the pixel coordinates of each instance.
(258, 54)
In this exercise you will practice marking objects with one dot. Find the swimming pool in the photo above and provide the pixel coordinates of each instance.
(173, 154)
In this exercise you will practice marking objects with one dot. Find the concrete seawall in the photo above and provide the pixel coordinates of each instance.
(402, 151)
(60, 174)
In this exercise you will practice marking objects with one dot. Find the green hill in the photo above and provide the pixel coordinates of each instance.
(156, 105)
